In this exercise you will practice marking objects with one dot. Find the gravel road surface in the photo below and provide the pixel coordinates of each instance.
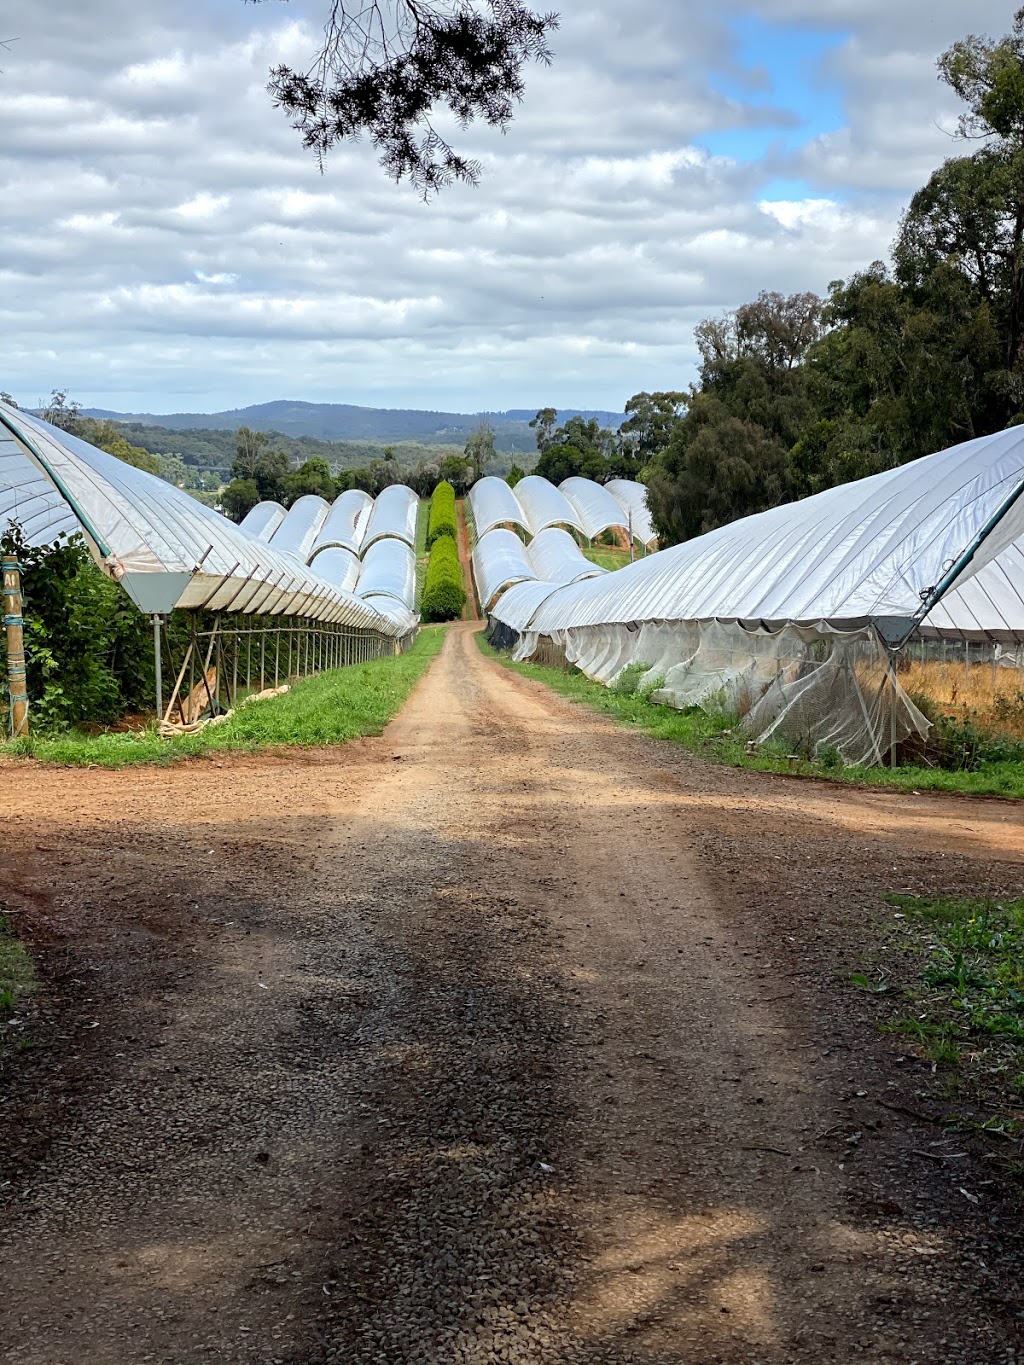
(509, 1036)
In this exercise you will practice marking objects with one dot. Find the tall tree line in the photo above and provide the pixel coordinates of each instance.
(797, 394)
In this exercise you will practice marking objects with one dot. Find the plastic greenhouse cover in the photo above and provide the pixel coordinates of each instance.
(394, 514)
(498, 560)
(28, 498)
(389, 570)
(557, 558)
(339, 566)
(632, 498)
(345, 522)
(169, 550)
(989, 606)
(299, 530)
(493, 503)
(399, 618)
(596, 507)
(263, 520)
(544, 505)
(880, 549)
(519, 603)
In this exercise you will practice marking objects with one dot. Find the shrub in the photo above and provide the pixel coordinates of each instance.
(88, 649)
(444, 595)
(628, 680)
(442, 514)
(963, 741)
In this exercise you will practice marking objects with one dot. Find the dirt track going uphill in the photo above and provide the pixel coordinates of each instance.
(508, 1037)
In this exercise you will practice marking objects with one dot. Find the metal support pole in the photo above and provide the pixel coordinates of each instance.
(15, 624)
(158, 667)
(893, 685)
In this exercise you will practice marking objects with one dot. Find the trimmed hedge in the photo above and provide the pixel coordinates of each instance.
(444, 595)
(442, 514)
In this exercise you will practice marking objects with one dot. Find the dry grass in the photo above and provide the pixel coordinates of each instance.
(992, 698)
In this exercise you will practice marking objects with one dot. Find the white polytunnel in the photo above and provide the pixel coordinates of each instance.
(262, 520)
(555, 557)
(632, 498)
(791, 619)
(345, 523)
(882, 549)
(165, 548)
(519, 603)
(401, 620)
(394, 514)
(389, 570)
(544, 505)
(499, 559)
(339, 566)
(595, 506)
(297, 534)
(493, 503)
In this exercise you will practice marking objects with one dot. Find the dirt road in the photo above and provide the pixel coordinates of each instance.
(508, 1037)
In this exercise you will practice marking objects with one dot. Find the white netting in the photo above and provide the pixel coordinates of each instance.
(817, 690)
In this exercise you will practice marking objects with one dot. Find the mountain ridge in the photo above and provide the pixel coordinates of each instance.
(349, 421)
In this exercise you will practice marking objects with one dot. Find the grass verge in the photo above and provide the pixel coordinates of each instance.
(611, 556)
(606, 556)
(328, 709)
(954, 985)
(718, 739)
(422, 525)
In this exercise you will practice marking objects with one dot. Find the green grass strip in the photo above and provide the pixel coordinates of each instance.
(422, 522)
(605, 557)
(719, 739)
(330, 708)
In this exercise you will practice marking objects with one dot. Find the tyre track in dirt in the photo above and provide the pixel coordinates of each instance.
(510, 1037)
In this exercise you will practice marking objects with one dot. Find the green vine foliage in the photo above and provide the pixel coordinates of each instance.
(88, 650)
(442, 514)
(444, 594)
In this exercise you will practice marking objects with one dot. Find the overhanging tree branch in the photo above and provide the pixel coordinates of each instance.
(386, 66)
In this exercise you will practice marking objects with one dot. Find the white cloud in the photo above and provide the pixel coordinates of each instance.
(168, 243)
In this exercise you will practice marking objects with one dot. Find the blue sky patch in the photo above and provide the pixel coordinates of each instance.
(777, 71)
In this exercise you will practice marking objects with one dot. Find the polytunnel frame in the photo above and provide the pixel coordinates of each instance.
(270, 600)
(222, 667)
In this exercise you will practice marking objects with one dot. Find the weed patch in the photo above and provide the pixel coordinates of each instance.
(958, 1001)
(17, 976)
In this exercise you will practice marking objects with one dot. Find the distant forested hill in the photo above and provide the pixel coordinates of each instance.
(347, 423)
(214, 450)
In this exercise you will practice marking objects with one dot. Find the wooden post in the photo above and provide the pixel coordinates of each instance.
(15, 626)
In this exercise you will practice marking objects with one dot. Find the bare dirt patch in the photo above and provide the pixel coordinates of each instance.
(508, 1037)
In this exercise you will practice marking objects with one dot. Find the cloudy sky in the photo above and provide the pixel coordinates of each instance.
(166, 244)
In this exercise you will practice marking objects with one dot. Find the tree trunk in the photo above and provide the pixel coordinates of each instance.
(1016, 282)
